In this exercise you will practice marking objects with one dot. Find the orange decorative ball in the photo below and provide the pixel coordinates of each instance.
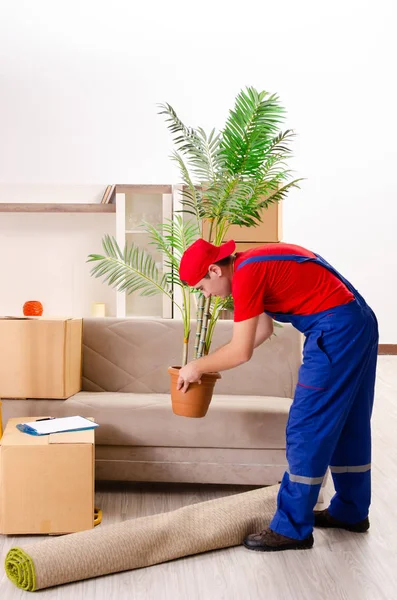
(33, 308)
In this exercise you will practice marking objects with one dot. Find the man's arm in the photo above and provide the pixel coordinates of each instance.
(264, 329)
(238, 351)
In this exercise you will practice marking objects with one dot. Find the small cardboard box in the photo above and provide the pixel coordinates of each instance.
(270, 230)
(46, 482)
(40, 358)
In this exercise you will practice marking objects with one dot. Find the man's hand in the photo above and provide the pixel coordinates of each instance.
(187, 375)
(247, 335)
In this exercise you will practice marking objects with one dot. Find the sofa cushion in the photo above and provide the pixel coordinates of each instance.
(132, 355)
(148, 420)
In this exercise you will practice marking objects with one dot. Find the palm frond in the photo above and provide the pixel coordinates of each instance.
(184, 137)
(273, 165)
(202, 153)
(190, 195)
(133, 270)
(171, 239)
(184, 234)
(220, 200)
(204, 160)
(278, 193)
(279, 143)
(249, 131)
(163, 245)
(193, 203)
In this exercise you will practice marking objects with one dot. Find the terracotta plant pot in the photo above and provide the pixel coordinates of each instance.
(195, 402)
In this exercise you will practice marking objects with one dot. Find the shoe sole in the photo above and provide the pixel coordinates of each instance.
(352, 529)
(278, 548)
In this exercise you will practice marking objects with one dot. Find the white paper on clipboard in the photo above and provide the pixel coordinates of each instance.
(61, 425)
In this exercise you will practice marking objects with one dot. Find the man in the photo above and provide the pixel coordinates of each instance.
(329, 420)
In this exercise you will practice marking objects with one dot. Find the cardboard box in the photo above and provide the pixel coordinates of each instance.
(46, 482)
(40, 358)
(270, 230)
(243, 246)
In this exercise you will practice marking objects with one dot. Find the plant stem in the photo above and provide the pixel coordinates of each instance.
(220, 232)
(200, 313)
(186, 325)
(211, 227)
(202, 347)
(185, 351)
(213, 321)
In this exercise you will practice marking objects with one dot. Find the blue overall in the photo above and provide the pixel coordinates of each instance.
(329, 419)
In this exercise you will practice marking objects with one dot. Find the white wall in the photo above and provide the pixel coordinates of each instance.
(43, 257)
(80, 82)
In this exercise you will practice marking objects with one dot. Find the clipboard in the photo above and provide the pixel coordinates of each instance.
(51, 425)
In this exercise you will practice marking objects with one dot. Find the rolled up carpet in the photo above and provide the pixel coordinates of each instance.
(141, 542)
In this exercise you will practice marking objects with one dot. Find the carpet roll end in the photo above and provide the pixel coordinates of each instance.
(20, 569)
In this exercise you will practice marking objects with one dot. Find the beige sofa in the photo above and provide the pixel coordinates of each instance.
(126, 390)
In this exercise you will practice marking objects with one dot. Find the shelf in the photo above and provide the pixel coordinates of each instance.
(57, 208)
(144, 189)
(43, 207)
(141, 231)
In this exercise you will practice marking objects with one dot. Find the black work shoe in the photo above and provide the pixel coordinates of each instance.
(322, 518)
(270, 541)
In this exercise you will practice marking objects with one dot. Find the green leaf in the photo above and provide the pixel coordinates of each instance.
(202, 152)
(251, 132)
(130, 271)
(229, 177)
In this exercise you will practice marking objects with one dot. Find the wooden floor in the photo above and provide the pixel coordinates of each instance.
(341, 565)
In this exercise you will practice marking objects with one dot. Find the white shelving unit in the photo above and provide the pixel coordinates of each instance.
(134, 205)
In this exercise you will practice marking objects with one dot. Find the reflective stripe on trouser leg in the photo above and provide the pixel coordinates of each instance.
(305, 480)
(353, 469)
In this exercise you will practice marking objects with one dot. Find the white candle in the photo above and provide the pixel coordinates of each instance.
(98, 309)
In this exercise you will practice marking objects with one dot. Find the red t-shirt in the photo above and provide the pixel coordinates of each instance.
(284, 286)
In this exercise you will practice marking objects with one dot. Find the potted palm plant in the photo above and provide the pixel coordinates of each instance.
(133, 269)
(228, 179)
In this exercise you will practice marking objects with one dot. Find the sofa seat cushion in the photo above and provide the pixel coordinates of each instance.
(148, 420)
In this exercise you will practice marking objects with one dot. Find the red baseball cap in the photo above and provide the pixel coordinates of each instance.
(199, 256)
